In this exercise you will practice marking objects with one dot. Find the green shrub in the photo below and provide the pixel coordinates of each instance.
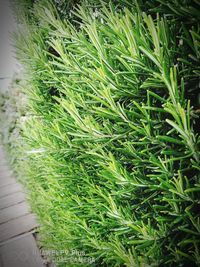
(111, 152)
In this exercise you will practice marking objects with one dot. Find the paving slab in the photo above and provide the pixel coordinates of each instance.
(22, 252)
(7, 181)
(10, 189)
(13, 212)
(11, 200)
(17, 227)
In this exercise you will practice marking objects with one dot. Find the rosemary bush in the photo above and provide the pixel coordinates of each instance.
(110, 144)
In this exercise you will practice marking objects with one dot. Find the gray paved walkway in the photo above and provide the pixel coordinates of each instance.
(18, 247)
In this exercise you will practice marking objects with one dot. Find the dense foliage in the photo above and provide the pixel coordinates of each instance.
(12, 113)
(110, 145)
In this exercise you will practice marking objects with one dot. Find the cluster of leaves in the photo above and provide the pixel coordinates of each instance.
(111, 150)
(12, 112)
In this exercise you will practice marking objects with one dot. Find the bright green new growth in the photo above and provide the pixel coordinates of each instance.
(111, 156)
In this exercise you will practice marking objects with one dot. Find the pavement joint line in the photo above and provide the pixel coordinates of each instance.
(18, 237)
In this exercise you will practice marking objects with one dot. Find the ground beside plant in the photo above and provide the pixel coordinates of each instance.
(110, 147)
